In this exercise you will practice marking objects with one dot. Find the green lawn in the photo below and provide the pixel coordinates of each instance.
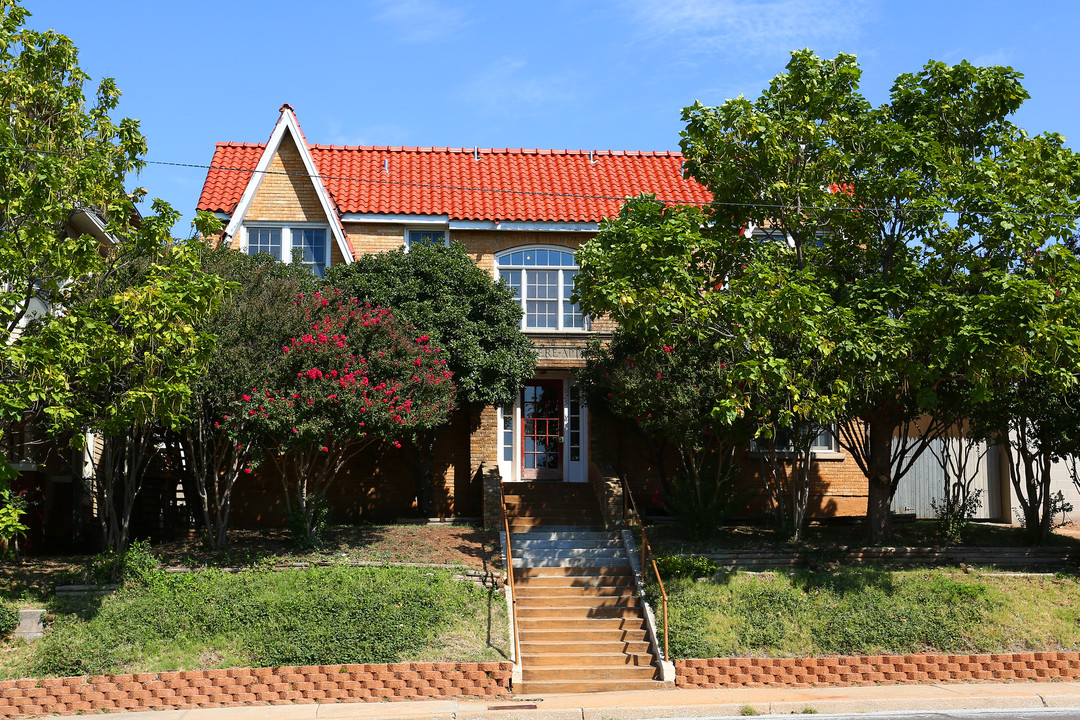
(872, 611)
(324, 615)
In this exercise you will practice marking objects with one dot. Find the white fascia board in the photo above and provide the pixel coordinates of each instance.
(407, 218)
(445, 221)
(287, 123)
(472, 224)
(549, 226)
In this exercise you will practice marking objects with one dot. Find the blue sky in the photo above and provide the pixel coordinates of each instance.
(587, 74)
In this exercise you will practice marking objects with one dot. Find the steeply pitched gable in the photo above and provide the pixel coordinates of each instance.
(285, 160)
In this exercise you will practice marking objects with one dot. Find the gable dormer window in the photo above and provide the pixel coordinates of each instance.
(303, 244)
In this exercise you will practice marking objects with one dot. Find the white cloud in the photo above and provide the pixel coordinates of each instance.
(507, 87)
(741, 27)
(420, 21)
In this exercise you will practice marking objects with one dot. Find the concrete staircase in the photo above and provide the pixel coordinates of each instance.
(581, 625)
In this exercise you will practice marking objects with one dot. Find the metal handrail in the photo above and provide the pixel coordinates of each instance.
(510, 575)
(646, 551)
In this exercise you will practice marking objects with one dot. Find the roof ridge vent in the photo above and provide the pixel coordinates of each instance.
(476, 153)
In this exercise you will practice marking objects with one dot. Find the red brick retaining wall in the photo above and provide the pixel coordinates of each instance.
(875, 669)
(256, 686)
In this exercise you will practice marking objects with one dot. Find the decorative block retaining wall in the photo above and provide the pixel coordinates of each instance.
(875, 669)
(255, 686)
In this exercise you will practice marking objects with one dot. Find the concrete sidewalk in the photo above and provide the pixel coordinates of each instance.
(667, 703)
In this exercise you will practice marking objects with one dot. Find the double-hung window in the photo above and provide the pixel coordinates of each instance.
(824, 441)
(307, 245)
(543, 281)
(415, 236)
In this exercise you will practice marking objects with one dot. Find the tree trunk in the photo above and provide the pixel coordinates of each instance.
(423, 467)
(880, 487)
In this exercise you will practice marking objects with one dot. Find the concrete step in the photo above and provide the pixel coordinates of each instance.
(592, 629)
(526, 524)
(552, 523)
(576, 672)
(578, 533)
(600, 554)
(576, 601)
(547, 634)
(595, 541)
(533, 592)
(573, 581)
(534, 658)
(607, 647)
(580, 571)
(582, 686)
(583, 561)
(578, 613)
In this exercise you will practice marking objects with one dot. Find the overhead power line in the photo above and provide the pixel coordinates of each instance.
(542, 193)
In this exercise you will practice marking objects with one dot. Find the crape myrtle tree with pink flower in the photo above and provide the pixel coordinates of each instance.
(442, 293)
(355, 377)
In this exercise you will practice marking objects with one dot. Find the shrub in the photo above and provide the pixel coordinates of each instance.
(702, 507)
(9, 619)
(692, 566)
(135, 565)
(954, 515)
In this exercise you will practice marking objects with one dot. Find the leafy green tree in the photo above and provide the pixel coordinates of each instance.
(357, 376)
(785, 323)
(218, 446)
(142, 353)
(902, 213)
(62, 169)
(766, 324)
(442, 293)
(668, 392)
(1030, 407)
(96, 305)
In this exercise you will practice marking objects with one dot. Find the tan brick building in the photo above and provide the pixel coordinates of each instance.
(521, 214)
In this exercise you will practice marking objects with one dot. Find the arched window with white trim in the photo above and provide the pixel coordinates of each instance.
(542, 279)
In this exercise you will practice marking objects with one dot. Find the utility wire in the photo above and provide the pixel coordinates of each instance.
(510, 191)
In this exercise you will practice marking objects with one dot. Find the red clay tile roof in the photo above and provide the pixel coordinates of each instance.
(504, 184)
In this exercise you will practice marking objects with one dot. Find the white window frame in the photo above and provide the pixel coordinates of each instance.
(428, 229)
(826, 452)
(560, 292)
(286, 238)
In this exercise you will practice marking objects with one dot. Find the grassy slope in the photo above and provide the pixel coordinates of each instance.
(263, 618)
(868, 610)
